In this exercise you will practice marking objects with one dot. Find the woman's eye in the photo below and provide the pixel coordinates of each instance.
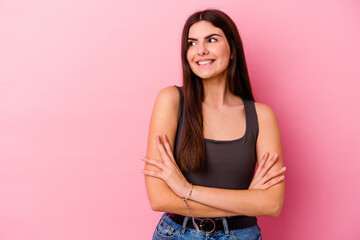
(191, 43)
(212, 40)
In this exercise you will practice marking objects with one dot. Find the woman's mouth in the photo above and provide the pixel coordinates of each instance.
(205, 62)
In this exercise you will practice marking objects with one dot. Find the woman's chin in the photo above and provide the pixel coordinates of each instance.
(205, 76)
(211, 74)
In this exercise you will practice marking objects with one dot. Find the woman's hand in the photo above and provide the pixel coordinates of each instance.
(262, 178)
(170, 172)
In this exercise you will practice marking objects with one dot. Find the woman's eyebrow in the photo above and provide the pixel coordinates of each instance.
(208, 36)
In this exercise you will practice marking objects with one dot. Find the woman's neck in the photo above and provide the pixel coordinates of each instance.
(216, 92)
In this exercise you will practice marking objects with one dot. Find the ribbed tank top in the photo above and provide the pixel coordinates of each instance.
(230, 164)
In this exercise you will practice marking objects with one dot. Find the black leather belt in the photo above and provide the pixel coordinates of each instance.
(209, 225)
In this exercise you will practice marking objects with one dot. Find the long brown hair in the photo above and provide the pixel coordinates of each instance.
(192, 154)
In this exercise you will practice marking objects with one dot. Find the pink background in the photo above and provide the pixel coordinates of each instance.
(78, 80)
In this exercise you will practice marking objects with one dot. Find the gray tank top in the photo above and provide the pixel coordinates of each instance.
(230, 164)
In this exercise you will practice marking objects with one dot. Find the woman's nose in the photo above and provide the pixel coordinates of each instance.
(202, 50)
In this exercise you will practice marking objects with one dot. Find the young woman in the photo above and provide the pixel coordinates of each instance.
(205, 139)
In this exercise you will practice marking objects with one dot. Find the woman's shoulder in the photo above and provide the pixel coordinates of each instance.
(167, 101)
(168, 95)
(264, 112)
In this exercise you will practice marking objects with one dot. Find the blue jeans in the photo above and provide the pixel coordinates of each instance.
(168, 229)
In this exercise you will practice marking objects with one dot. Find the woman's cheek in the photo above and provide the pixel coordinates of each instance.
(190, 54)
(190, 57)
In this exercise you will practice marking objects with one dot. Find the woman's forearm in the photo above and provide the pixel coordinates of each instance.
(215, 202)
(197, 209)
(254, 202)
(170, 202)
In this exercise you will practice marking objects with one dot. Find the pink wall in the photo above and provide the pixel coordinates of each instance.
(78, 80)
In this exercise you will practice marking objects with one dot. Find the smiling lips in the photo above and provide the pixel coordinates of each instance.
(203, 62)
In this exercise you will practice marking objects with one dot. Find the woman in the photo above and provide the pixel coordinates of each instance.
(200, 171)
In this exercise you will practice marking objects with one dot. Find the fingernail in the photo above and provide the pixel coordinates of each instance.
(282, 177)
(157, 138)
(283, 169)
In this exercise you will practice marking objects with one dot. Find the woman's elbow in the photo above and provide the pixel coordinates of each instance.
(157, 195)
(157, 207)
(159, 202)
(276, 201)
(275, 209)
(156, 204)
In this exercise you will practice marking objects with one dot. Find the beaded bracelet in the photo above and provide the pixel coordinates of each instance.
(191, 188)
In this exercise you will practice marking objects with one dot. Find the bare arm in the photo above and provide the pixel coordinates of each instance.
(164, 121)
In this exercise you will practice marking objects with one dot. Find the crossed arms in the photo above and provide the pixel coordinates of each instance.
(166, 185)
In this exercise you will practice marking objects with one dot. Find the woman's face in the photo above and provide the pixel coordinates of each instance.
(208, 50)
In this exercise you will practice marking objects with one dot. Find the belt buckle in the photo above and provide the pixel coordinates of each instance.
(207, 225)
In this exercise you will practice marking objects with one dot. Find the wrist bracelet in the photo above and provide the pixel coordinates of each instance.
(191, 188)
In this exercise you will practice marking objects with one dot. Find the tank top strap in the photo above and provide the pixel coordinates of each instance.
(252, 127)
(181, 103)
